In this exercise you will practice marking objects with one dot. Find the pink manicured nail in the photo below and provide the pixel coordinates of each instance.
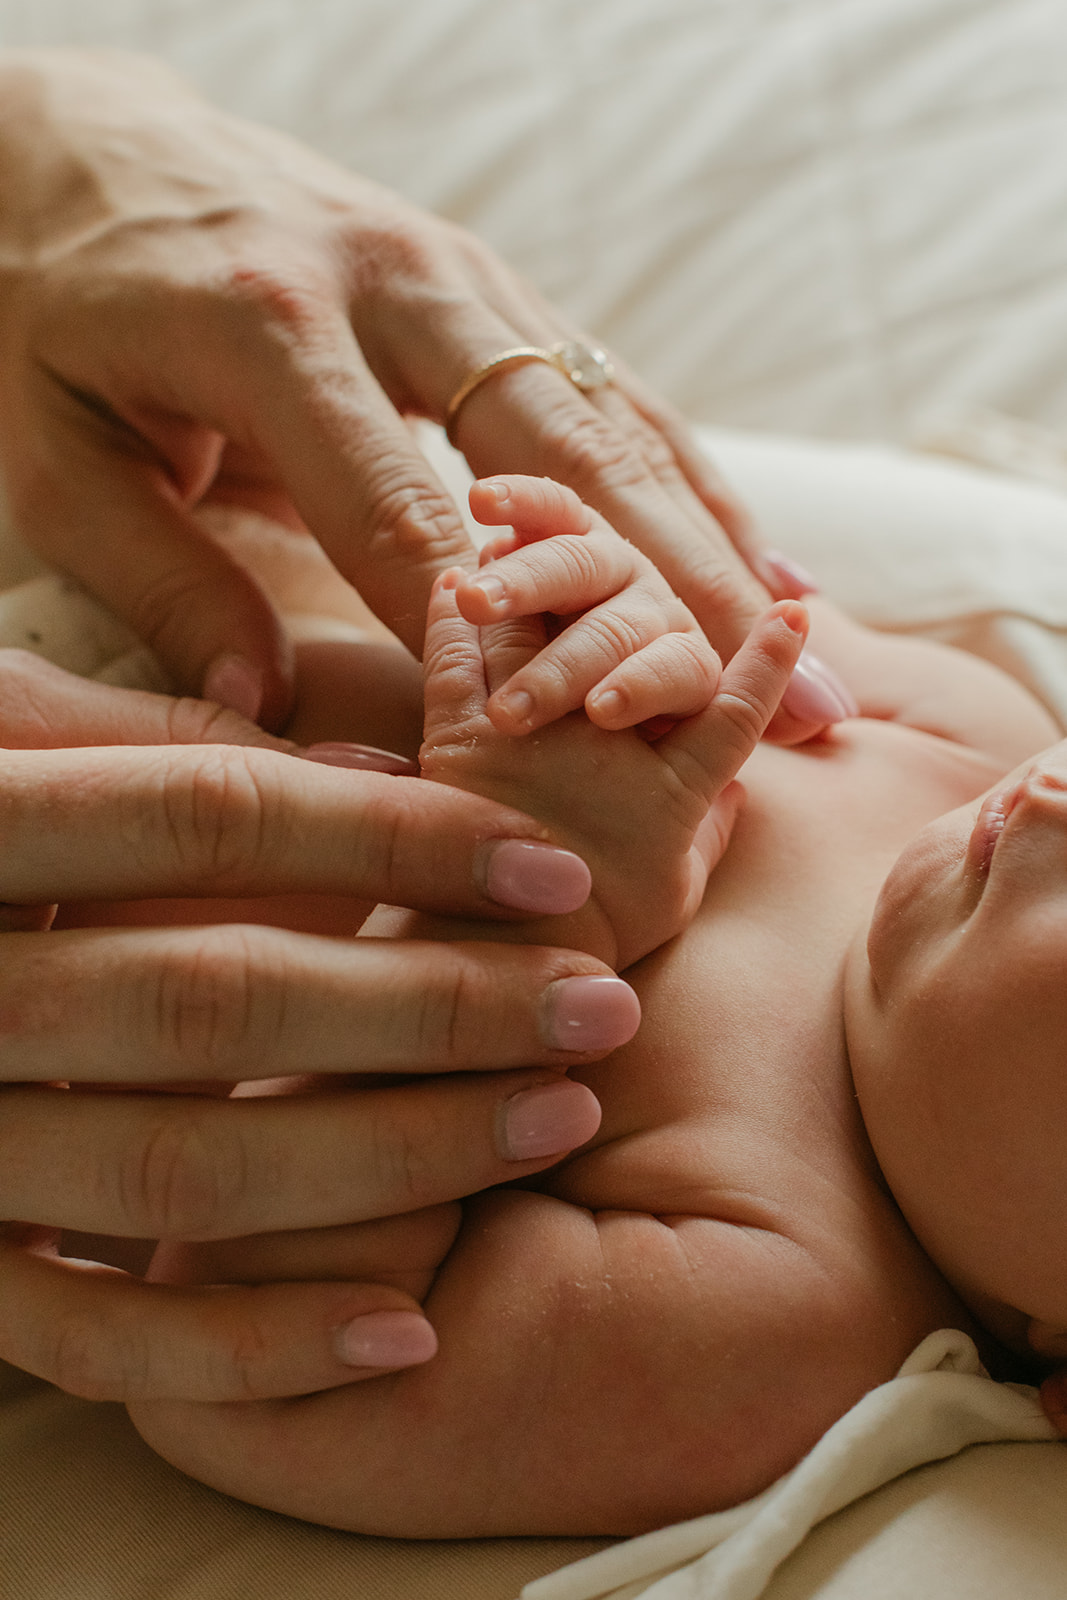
(361, 758)
(234, 682)
(385, 1339)
(529, 876)
(791, 581)
(815, 694)
(589, 1013)
(549, 1120)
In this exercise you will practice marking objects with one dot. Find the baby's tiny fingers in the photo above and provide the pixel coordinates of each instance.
(564, 575)
(674, 676)
(708, 751)
(568, 668)
(537, 508)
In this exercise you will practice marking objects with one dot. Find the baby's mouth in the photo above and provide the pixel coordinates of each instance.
(993, 813)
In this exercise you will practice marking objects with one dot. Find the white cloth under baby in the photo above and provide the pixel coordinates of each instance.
(939, 1403)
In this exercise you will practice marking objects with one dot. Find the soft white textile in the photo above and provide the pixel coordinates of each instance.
(939, 1403)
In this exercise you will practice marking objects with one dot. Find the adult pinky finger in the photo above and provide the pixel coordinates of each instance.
(674, 676)
(103, 1335)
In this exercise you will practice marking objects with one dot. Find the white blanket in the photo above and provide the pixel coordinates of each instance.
(940, 1402)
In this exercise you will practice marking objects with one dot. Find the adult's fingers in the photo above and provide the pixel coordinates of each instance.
(260, 355)
(248, 1002)
(403, 1252)
(42, 707)
(197, 1168)
(220, 820)
(533, 420)
(97, 1333)
(112, 519)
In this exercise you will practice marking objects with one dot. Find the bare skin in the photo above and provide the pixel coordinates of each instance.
(670, 1319)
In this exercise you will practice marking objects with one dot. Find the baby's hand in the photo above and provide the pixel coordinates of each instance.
(650, 819)
(630, 651)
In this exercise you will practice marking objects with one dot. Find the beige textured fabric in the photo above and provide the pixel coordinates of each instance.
(87, 1512)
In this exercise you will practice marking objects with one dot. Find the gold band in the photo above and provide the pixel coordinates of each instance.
(585, 366)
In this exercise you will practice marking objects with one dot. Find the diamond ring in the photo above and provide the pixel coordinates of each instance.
(585, 365)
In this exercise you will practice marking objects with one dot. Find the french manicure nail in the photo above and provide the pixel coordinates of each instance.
(529, 876)
(385, 1339)
(361, 758)
(233, 682)
(549, 1120)
(815, 694)
(589, 1013)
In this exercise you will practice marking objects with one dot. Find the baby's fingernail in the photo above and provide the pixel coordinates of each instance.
(607, 702)
(499, 491)
(815, 694)
(385, 1339)
(233, 682)
(589, 1013)
(516, 705)
(490, 585)
(361, 758)
(548, 1121)
(529, 876)
(789, 580)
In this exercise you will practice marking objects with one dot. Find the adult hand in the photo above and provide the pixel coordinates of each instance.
(197, 802)
(193, 308)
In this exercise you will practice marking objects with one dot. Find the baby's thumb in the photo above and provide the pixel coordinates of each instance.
(714, 832)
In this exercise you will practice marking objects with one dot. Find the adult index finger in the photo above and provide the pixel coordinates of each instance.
(217, 820)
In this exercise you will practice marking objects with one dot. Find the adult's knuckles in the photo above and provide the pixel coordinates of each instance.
(184, 1174)
(83, 1354)
(215, 1003)
(218, 810)
(588, 452)
(409, 522)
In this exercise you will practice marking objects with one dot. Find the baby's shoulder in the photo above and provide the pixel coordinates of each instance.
(934, 688)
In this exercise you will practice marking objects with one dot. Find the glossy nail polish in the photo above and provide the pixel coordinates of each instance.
(390, 1339)
(549, 1120)
(816, 694)
(529, 876)
(589, 1013)
(233, 682)
(360, 758)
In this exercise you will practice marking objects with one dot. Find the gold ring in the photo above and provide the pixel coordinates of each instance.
(585, 365)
